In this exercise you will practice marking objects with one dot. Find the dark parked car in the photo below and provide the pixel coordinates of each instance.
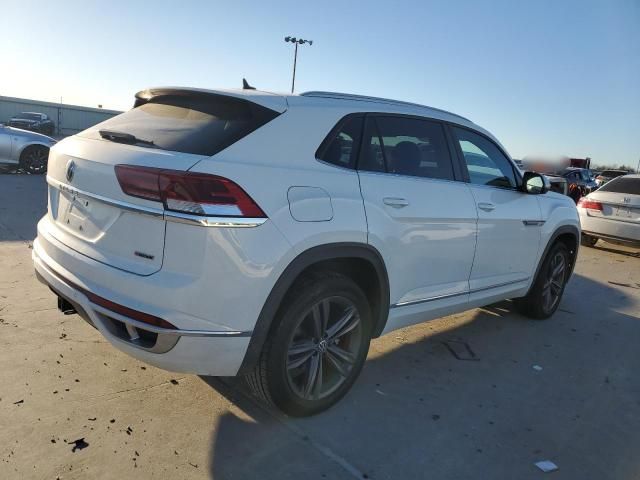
(34, 121)
(607, 175)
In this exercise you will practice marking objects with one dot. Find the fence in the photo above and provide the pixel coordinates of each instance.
(68, 119)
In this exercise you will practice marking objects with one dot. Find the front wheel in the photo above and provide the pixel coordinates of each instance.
(318, 347)
(34, 159)
(546, 292)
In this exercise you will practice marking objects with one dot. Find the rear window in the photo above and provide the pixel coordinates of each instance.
(612, 173)
(199, 124)
(628, 185)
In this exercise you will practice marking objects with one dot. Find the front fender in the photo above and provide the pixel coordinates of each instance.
(17, 151)
(561, 217)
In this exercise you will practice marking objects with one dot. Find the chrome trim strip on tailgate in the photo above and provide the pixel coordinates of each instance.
(198, 220)
(155, 212)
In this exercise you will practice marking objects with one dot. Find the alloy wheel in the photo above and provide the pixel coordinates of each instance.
(37, 160)
(324, 348)
(554, 282)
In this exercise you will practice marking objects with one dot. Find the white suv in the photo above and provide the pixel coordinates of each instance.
(272, 236)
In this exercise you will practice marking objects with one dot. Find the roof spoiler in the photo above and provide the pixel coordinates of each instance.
(274, 102)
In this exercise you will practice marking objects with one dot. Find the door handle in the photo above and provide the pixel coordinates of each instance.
(487, 207)
(395, 202)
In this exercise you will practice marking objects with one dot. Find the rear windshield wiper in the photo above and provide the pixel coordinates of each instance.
(127, 138)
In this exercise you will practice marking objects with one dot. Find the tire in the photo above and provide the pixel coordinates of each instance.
(294, 349)
(546, 292)
(588, 240)
(34, 159)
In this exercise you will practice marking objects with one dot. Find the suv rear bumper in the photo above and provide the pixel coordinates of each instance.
(201, 352)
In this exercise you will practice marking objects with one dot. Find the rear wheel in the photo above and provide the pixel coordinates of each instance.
(588, 240)
(315, 353)
(546, 292)
(34, 159)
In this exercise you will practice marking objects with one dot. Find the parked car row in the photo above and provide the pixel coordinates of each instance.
(33, 121)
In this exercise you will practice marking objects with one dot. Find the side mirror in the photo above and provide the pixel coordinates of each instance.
(534, 183)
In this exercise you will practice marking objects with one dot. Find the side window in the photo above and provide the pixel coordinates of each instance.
(486, 164)
(372, 158)
(342, 147)
(406, 146)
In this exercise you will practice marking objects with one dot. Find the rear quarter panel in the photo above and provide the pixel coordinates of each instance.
(281, 155)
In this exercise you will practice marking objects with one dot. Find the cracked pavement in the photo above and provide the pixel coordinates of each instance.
(415, 412)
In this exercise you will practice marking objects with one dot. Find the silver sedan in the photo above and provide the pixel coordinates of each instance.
(612, 212)
(26, 150)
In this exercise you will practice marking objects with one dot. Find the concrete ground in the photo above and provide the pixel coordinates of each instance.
(416, 411)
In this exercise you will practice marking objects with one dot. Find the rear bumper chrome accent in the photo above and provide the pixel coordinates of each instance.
(233, 222)
(135, 333)
(198, 220)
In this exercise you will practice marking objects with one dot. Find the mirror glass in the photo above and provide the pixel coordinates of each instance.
(535, 184)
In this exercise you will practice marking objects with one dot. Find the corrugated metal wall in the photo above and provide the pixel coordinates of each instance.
(68, 119)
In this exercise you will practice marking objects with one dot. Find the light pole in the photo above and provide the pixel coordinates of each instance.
(296, 42)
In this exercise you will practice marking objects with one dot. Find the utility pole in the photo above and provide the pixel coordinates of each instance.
(296, 42)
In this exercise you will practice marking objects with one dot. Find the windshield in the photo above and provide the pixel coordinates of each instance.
(201, 124)
(29, 116)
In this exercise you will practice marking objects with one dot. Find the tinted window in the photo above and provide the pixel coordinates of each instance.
(342, 149)
(612, 173)
(628, 185)
(199, 124)
(29, 116)
(487, 165)
(407, 146)
(372, 158)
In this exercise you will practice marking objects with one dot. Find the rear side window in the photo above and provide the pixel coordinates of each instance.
(199, 124)
(406, 146)
(628, 185)
(341, 146)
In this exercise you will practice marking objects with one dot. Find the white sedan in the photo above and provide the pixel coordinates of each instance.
(612, 212)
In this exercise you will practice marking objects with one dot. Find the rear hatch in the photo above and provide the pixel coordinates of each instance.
(169, 129)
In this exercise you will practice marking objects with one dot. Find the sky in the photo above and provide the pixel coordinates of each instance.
(549, 78)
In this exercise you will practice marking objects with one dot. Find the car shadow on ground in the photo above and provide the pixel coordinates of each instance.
(625, 250)
(416, 408)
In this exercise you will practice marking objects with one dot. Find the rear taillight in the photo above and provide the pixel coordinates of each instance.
(589, 204)
(188, 192)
